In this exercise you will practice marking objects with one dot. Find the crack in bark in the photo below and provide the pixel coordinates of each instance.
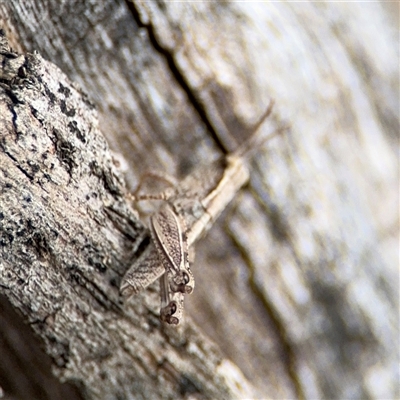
(95, 291)
(16, 163)
(180, 78)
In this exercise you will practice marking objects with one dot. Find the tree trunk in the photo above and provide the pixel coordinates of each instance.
(296, 284)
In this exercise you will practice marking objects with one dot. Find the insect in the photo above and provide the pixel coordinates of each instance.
(169, 240)
(189, 210)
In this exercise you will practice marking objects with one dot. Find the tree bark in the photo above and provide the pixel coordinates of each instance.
(297, 283)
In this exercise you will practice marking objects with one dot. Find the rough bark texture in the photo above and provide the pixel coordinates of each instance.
(297, 283)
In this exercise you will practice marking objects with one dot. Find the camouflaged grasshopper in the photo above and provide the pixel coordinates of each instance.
(189, 210)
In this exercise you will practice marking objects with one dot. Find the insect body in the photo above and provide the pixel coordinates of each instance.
(189, 210)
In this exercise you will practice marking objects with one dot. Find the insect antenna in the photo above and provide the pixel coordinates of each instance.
(256, 139)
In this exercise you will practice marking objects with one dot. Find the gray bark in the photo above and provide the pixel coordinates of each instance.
(297, 283)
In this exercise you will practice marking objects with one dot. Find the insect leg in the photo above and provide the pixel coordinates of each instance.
(169, 180)
(171, 303)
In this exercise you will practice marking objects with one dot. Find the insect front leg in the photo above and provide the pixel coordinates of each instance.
(171, 303)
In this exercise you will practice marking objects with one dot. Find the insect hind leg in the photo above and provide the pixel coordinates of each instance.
(164, 195)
